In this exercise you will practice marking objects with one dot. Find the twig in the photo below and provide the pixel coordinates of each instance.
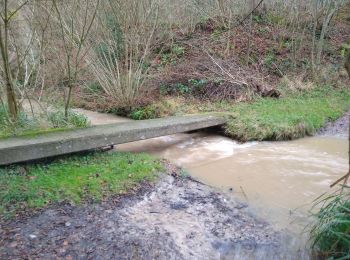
(245, 18)
(244, 194)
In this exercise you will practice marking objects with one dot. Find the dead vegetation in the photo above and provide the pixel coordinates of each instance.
(117, 55)
(208, 61)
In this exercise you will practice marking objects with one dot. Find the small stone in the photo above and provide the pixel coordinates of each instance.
(69, 257)
(31, 236)
(65, 243)
(68, 224)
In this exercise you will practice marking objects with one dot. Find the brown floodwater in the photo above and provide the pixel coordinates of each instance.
(278, 180)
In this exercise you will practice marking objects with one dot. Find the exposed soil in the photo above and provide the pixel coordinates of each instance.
(177, 218)
(340, 127)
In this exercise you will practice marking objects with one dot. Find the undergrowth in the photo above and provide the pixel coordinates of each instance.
(296, 114)
(29, 125)
(73, 179)
(330, 234)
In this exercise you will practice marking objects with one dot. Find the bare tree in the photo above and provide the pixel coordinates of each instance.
(121, 46)
(323, 13)
(7, 14)
(74, 19)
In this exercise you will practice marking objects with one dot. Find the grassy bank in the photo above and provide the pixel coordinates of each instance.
(39, 124)
(295, 114)
(291, 117)
(92, 177)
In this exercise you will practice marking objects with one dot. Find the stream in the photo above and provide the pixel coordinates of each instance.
(278, 180)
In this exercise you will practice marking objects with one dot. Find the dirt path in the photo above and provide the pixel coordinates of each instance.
(177, 218)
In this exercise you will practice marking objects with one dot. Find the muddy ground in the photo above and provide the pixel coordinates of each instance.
(340, 127)
(176, 218)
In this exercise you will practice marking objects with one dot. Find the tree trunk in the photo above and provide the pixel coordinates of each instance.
(11, 101)
(4, 48)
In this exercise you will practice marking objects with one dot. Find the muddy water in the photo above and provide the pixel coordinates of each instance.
(278, 180)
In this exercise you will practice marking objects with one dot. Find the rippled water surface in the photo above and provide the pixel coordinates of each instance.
(278, 180)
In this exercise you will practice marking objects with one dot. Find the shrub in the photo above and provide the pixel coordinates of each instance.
(3, 115)
(147, 112)
(23, 123)
(58, 119)
(121, 46)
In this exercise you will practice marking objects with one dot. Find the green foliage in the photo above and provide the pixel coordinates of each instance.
(345, 48)
(194, 86)
(216, 34)
(182, 88)
(330, 234)
(269, 59)
(76, 179)
(172, 54)
(262, 31)
(184, 173)
(58, 119)
(197, 86)
(147, 112)
(197, 83)
(159, 109)
(25, 125)
(178, 51)
(163, 89)
(93, 88)
(178, 88)
(287, 118)
(275, 19)
(258, 18)
(298, 113)
(3, 115)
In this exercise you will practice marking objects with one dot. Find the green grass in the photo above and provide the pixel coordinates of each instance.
(91, 177)
(330, 234)
(29, 126)
(287, 118)
(294, 115)
(34, 132)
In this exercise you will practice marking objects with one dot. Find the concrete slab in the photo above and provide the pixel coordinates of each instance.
(23, 149)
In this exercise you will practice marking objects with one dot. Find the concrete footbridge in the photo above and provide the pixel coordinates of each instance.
(22, 149)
